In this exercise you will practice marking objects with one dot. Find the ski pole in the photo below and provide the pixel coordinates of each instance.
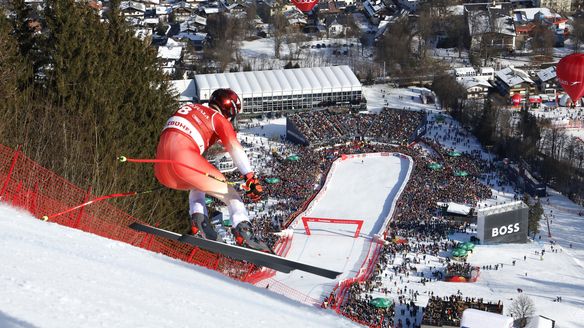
(117, 195)
(124, 159)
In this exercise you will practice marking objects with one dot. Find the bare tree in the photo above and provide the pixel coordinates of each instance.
(250, 16)
(522, 308)
(294, 40)
(226, 32)
(395, 48)
(542, 43)
(279, 31)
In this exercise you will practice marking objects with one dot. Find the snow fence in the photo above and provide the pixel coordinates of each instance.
(27, 185)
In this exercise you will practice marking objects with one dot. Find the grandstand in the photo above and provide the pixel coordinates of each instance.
(278, 90)
(320, 127)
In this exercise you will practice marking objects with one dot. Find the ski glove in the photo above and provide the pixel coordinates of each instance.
(253, 189)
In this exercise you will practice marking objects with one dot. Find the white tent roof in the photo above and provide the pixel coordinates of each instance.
(472, 318)
(456, 208)
(280, 82)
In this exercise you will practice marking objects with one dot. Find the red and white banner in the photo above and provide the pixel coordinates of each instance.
(305, 221)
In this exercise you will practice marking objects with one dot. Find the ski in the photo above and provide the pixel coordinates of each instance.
(271, 261)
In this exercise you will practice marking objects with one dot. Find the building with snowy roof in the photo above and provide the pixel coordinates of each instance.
(278, 90)
(483, 73)
(510, 81)
(490, 24)
(547, 82)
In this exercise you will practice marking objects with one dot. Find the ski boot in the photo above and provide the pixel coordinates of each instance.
(245, 237)
(201, 226)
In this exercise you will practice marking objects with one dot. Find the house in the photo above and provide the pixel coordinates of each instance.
(182, 11)
(295, 18)
(477, 83)
(151, 18)
(525, 15)
(510, 81)
(547, 82)
(483, 73)
(170, 55)
(96, 5)
(198, 40)
(209, 9)
(335, 25)
(189, 26)
(163, 12)
(476, 88)
(490, 25)
(132, 9)
(234, 7)
(374, 10)
(192, 32)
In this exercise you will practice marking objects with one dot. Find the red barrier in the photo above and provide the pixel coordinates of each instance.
(306, 219)
(28, 185)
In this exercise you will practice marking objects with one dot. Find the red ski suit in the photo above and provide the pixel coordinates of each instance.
(187, 134)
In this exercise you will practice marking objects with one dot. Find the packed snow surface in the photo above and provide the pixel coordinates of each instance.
(53, 276)
(356, 189)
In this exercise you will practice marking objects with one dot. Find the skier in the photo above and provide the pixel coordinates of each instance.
(191, 130)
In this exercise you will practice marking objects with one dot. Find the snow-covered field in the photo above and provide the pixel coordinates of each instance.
(53, 276)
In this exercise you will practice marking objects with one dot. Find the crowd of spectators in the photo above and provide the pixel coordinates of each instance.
(415, 219)
(358, 306)
(460, 269)
(447, 310)
(326, 128)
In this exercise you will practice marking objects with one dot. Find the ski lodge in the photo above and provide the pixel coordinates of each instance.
(281, 90)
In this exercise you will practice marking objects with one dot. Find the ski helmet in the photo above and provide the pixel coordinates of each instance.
(227, 101)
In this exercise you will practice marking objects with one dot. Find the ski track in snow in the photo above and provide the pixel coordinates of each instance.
(358, 189)
(54, 276)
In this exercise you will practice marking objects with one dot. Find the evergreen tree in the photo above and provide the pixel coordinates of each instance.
(100, 93)
(486, 126)
(535, 214)
(14, 73)
(529, 132)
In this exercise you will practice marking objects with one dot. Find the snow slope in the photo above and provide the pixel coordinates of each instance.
(356, 189)
(53, 276)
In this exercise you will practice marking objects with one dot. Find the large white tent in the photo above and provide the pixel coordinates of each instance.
(472, 318)
(275, 90)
